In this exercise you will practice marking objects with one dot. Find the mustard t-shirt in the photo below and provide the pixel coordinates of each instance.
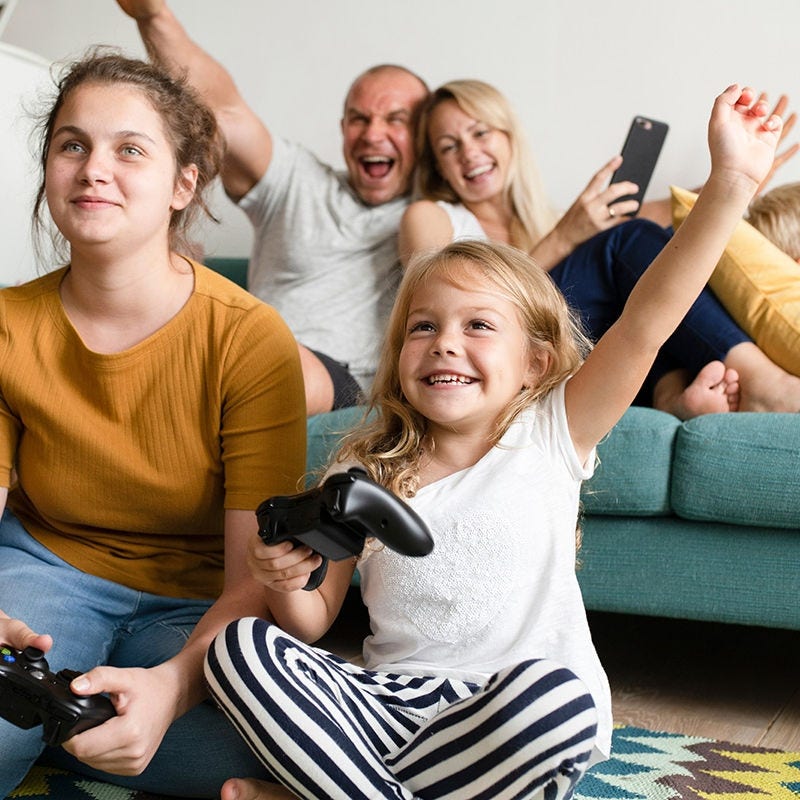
(126, 462)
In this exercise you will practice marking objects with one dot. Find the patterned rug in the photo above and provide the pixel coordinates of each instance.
(661, 766)
(644, 765)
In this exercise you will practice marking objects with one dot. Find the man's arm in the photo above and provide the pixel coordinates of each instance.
(248, 141)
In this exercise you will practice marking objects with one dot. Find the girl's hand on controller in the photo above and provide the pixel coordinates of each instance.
(282, 567)
(17, 634)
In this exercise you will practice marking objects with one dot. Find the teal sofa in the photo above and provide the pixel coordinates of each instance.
(697, 520)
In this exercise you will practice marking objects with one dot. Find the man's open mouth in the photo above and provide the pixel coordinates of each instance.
(376, 166)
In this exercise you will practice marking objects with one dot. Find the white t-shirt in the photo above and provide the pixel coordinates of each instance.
(500, 585)
(465, 223)
(323, 258)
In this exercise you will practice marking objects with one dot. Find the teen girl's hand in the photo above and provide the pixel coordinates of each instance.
(125, 744)
(17, 634)
(282, 567)
(742, 136)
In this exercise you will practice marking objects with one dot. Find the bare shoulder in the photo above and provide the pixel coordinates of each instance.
(424, 226)
(423, 209)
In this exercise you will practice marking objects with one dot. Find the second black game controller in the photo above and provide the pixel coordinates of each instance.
(335, 519)
(31, 695)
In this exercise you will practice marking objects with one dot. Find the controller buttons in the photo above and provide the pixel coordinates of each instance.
(33, 654)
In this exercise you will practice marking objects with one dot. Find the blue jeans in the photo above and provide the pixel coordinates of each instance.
(599, 275)
(94, 621)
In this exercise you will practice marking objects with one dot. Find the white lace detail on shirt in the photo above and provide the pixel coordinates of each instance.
(444, 604)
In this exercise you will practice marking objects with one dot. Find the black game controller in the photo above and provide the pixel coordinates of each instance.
(31, 695)
(336, 518)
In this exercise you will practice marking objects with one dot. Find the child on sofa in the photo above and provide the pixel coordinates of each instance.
(776, 215)
(480, 676)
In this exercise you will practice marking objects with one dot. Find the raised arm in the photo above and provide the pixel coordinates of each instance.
(660, 211)
(742, 139)
(249, 143)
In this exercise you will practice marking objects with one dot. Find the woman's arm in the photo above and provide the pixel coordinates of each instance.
(588, 215)
(742, 139)
(424, 226)
(149, 700)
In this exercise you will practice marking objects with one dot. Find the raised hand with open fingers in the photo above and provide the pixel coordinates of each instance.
(743, 135)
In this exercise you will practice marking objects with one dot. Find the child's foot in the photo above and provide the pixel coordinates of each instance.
(714, 390)
(251, 789)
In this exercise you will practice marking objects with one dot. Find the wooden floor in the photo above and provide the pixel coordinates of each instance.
(726, 682)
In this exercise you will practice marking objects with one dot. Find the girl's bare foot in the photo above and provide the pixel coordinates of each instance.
(714, 390)
(764, 385)
(251, 789)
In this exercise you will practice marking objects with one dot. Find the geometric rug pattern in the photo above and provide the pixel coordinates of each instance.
(665, 766)
(644, 765)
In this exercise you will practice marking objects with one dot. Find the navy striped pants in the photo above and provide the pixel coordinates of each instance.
(327, 728)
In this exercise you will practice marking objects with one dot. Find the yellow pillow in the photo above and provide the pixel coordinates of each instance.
(758, 284)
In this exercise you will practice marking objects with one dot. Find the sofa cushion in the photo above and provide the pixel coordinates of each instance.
(632, 477)
(324, 432)
(739, 468)
(759, 285)
(233, 268)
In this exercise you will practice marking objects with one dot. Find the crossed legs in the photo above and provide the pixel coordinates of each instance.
(328, 728)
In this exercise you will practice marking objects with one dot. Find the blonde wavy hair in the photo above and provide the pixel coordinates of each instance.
(534, 217)
(389, 444)
(776, 214)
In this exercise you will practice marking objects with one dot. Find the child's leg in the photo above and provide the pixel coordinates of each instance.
(321, 725)
(327, 728)
(529, 732)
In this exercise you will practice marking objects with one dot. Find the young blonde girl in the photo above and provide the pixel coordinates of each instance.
(480, 678)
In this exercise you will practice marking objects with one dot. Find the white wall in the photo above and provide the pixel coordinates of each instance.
(577, 71)
(22, 73)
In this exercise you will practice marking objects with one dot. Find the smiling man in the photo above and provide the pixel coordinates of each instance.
(325, 244)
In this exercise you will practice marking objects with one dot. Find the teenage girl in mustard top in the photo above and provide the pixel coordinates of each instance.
(147, 405)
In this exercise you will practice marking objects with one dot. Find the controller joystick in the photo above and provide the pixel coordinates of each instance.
(335, 519)
(30, 695)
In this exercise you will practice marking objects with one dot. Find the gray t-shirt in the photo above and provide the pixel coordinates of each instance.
(323, 258)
